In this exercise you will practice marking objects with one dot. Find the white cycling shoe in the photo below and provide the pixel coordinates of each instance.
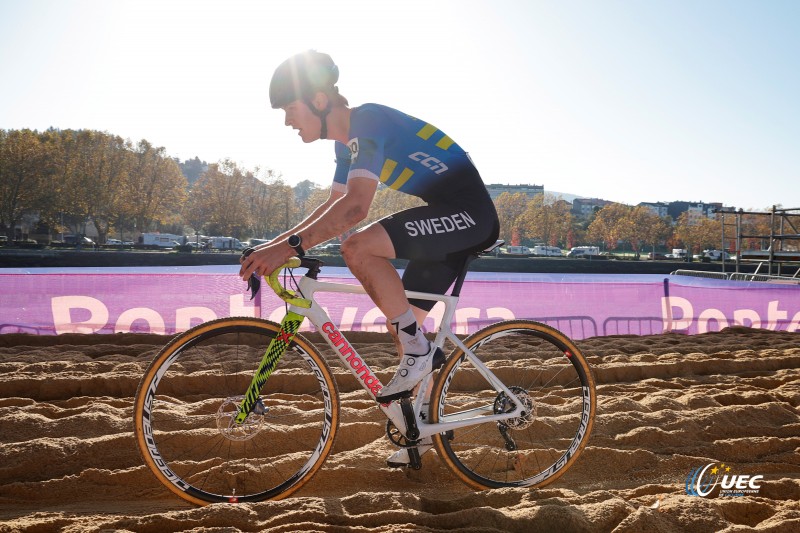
(400, 458)
(410, 372)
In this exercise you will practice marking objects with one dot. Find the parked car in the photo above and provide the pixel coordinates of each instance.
(713, 255)
(73, 239)
(518, 250)
(656, 256)
(547, 251)
(114, 242)
(584, 251)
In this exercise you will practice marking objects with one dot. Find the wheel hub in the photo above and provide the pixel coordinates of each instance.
(226, 419)
(504, 404)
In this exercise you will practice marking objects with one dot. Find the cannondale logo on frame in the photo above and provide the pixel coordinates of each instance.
(702, 481)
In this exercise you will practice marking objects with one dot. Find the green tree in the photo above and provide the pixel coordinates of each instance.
(698, 234)
(26, 174)
(547, 219)
(156, 189)
(655, 230)
(610, 225)
(511, 212)
(106, 166)
(274, 205)
(221, 198)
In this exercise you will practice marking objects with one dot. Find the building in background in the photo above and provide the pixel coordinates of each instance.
(659, 209)
(584, 207)
(530, 191)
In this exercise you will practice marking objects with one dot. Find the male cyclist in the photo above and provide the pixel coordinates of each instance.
(377, 144)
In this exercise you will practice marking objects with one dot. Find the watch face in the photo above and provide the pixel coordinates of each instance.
(294, 241)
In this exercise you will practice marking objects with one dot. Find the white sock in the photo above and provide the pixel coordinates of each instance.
(410, 334)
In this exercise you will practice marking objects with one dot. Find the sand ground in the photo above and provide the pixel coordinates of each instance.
(667, 404)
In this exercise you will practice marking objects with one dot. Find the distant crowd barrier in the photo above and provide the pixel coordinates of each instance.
(166, 300)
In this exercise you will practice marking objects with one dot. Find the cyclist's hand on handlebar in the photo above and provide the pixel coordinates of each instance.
(264, 261)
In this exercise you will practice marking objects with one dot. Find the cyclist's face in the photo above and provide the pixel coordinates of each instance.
(300, 117)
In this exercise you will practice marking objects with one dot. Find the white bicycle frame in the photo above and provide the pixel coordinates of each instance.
(308, 287)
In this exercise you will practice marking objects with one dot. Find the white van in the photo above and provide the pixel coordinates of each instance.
(518, 250)
(225, 243)
(583, 251)
(547, 251)
(162, 240)
(713, 255)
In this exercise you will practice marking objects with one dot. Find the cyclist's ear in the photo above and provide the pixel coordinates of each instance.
(320, 101)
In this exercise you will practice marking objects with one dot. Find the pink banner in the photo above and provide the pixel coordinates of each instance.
(168, 300)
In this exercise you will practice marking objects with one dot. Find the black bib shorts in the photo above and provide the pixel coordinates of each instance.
(460, 219)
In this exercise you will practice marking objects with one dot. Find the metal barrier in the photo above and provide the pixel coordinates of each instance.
(740, 276)
(633, 326)
(574, 327)
(700, 274)
(29, 330)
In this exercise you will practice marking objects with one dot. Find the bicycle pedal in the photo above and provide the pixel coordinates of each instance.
(416, 459)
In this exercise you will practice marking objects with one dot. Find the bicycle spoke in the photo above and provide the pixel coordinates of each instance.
(548, 379)
(199, 451)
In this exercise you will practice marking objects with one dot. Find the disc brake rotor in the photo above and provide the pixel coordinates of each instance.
(226, 419)
(504, 404)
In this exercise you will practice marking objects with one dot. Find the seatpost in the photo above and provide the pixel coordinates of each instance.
(463, 274)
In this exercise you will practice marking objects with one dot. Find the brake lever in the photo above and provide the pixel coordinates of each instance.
(254, 283)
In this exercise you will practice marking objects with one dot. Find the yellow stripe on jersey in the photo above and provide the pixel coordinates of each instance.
(445, 142)
(387, 170)
(402, 179)
(426, 131)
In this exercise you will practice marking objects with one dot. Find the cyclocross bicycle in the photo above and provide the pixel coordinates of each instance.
(241, 409)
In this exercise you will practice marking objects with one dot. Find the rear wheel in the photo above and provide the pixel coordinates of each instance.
(189, 396)
(546, 374)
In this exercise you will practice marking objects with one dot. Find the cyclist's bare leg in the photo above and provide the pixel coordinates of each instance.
(367, 254)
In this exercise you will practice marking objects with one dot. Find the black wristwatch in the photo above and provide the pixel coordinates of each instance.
(295, 242)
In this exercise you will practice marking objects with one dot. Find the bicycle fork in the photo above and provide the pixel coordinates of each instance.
(277, 347)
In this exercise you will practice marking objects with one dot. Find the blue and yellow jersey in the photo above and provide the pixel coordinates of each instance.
(402, 152)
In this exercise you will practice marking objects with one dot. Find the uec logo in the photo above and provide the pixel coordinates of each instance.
(702, 481)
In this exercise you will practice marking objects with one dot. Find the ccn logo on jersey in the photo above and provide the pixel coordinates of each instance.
(703, 480)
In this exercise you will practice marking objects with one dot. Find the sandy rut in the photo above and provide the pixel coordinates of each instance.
(667, 405)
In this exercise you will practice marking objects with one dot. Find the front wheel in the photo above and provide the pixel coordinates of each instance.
(188, 399)
(546, 374)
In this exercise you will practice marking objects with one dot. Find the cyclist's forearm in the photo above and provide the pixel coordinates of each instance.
(310, 219)
(340, 216)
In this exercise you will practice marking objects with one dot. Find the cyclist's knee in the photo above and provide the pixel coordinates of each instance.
(350, 247)
(371, 241)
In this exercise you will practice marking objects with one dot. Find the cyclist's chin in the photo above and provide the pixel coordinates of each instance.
(307, 137)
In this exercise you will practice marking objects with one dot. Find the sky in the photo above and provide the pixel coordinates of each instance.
(625, 100)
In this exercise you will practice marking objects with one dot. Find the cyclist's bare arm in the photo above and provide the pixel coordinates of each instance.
(317, 213)
(342, 213)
